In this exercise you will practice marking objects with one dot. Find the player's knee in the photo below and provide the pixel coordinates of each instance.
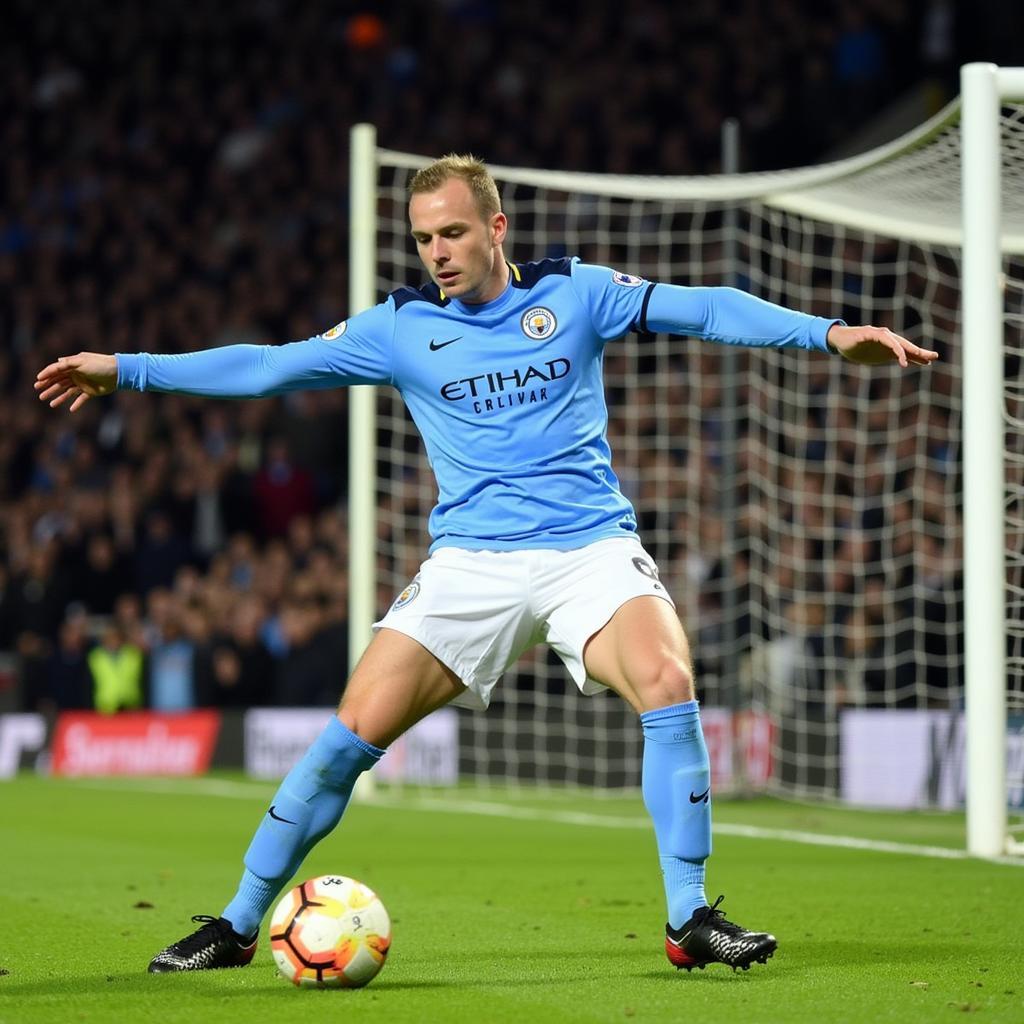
(663, 682)
(379, 722)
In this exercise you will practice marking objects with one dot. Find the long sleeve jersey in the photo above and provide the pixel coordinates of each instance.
(507, 395)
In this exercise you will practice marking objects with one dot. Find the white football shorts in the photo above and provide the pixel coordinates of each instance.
(478, 611)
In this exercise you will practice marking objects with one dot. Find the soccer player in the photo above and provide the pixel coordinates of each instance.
(500, 366)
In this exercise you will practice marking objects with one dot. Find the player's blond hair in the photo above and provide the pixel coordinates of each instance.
(467, 168)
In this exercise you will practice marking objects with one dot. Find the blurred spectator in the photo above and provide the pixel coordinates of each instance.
(160, 552)
(8, 624)
(38, 598)
(784, 675)
(102, 576)
(116, 666)
(40, 594)
(282, 491)
(859, 61)
(128, 621)
(873, 659)
(171, 655)
(241, 670)
(70, 682)
(313, 669)
(937, 607)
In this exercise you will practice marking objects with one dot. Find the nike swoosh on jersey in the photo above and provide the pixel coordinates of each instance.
(436, 345)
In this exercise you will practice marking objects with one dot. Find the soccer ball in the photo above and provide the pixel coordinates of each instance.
(330, 932)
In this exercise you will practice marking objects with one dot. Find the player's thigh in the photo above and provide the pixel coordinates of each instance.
(396, 683)
(642, 653)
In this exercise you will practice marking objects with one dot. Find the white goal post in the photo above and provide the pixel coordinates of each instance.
(924, 234)
(984, 87)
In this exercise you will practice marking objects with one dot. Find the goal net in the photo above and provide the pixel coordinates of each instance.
(806, 513)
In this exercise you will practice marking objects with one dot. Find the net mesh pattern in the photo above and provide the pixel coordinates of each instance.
(1013, 417)
(922, 185)
(805, 513)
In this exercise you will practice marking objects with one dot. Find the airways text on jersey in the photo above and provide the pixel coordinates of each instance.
(506, 389)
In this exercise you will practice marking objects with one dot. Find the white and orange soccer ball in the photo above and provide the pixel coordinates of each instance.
(330, 932)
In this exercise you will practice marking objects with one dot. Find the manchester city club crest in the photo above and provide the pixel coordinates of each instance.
(408, 595)
(538, 323)
(335, 332)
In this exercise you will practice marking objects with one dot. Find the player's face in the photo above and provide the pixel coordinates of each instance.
(460, 249)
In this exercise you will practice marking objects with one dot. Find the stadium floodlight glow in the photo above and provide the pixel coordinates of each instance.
(847, 554)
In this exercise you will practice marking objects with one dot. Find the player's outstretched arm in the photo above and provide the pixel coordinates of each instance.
(735, 317)
(229, 371)
(872, 346)
(77, 379)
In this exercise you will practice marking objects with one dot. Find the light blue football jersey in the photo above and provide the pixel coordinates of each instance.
(507, 395)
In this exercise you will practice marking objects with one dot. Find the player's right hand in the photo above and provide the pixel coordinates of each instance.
(77, 379)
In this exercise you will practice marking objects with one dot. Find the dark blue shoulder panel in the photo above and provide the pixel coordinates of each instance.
(526, 275)
(427, 293)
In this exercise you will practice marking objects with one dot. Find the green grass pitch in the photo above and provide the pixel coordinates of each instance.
(531, 907)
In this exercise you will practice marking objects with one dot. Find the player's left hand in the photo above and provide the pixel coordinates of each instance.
(872, 346)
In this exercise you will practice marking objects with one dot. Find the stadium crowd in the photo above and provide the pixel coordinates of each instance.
(176, 178)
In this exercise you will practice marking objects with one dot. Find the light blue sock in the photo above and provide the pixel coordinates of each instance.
(677, 794)
(308, 804)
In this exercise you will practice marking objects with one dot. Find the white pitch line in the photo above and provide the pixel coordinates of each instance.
(721, 828)
(254, 790)
(183, 787)
(848, 842)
